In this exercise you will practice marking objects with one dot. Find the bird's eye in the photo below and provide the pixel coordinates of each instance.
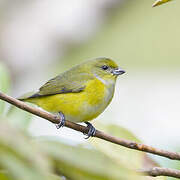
(104, 67)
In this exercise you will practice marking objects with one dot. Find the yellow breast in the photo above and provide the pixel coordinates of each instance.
(98, 98)
(82, 106)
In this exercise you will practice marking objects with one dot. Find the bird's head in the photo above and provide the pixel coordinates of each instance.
(105, 68)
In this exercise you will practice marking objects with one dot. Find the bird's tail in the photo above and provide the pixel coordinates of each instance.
(28, 97)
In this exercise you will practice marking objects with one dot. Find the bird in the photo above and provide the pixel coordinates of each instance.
(79, 94)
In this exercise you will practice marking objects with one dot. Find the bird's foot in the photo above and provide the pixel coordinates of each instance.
(91, 131)
(62, 120)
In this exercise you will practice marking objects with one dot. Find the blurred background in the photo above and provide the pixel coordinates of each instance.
(40, 39)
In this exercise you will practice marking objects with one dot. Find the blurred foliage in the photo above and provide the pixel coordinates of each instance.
(159, 2)
(136, 36)
(18, 117)
(20, 157)
(120, 154)
(25, 157)
(4, 84)
(82, 163)
(128, 156)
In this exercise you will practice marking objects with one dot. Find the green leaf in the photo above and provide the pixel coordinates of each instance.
(4, 84)
(159, 2)
(20, 157)
(120, 154)
(124, 156)
(86, 164)
(4, 175)
(55, 177)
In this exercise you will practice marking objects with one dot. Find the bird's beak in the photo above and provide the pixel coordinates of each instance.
(118, 71)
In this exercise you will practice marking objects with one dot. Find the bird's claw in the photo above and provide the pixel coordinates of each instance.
(91, 131)
(62, 120)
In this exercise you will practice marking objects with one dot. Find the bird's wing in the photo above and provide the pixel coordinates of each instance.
(68, 82)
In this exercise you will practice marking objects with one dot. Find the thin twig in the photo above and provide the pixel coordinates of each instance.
(158, 171)
(83, 129)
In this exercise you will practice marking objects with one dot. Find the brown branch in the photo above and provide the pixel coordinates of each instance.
(158, 171)
(83, 129)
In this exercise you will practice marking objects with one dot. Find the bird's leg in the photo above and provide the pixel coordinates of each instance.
(62, 120)
(91, 131)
